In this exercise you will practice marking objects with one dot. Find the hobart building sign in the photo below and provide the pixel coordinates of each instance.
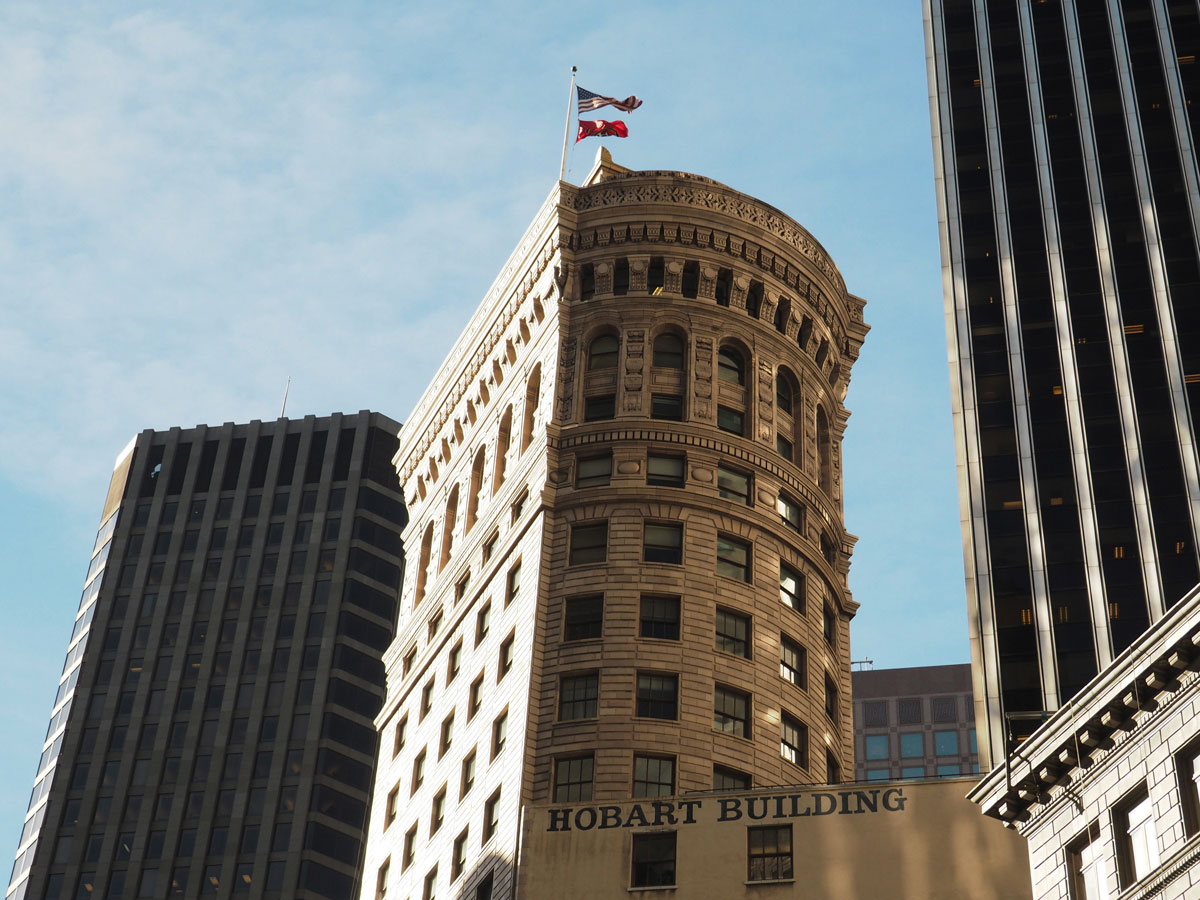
(726, 809)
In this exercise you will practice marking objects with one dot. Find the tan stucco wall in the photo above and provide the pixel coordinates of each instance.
(924, 842)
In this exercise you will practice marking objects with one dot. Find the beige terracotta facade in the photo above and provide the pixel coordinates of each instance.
(895, 840)
(626, 555)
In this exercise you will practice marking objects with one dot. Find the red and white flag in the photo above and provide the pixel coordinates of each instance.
(601, 128)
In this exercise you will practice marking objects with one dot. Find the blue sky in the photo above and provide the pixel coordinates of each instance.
(198, 201)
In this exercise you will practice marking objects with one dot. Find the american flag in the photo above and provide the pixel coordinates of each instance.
(589, 101)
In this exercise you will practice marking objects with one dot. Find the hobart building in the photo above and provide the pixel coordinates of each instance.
(628, 562)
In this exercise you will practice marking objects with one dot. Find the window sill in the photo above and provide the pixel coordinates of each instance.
(660, 887)
(771, 881)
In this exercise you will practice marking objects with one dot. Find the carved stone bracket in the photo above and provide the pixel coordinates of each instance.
(738, 291)
(604, 277)
(708, 283)
(638, 266)
(566, 375)
(703, 381)
(635, 350)
(674, 276)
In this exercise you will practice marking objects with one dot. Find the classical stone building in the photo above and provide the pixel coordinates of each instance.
(1107, 791)
(628, 561)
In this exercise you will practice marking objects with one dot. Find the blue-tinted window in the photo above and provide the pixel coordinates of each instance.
(877, 746)
(912, 745)
(945, 743)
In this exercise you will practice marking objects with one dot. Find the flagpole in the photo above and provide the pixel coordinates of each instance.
(562, 171)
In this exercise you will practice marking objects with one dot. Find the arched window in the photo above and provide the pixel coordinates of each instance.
(423, 564)
(533, 389)
(502, 449)
(786, 420)
(783, 312)
(784, 392)
(690, 283)
(824, 453)
(668, 351)
(730, 366)
(448, 528)
(754, 298)
(603, 352)
(476, 486)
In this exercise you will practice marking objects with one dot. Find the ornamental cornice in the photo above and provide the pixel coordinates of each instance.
(480, 339)
(710, 196)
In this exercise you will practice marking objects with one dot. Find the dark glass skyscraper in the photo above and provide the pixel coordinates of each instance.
(213, 730)
(1064, 137)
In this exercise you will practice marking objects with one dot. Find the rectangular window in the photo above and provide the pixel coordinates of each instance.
(381, 880)
(770, 853)
(475, 699)
(793, 662)
(483, 621)
(583, 618)
(460, 587)
(732, 633)
(912, 772)
(653, 860)
(660, 617)
(467, 781)
(829, 625)
(589, 544)
(909, 710)
(731, 711)
(458, 860)
(491, 816)
(664, 471)
(653, 776)
(427, 698)
(734, 485)
(726, 779)
(499, 733)
(876, 746)
(410, 848)
(783, 447)
(1085, 858)
(398, 739)
(506, 656)
(454, 662)
(945, 743)
(596, 409)
(489, 546)
(573, 779)
(878, 774)
(662, 543)
(944, 709)
(912, 745)
(875, 713)
(790, 511)
(437, 811)
(578, 697)
(418, 774)
(513, 584)
(429, 892)
(793, 742)
(791, 588)
(518, 506)
(949, 769)
(447, 737)
(1187, 766)
(657, 696)
(666, 406)
(1137, 840)
(593, 471)
(831, 702)
(733, 558)
(731, 420)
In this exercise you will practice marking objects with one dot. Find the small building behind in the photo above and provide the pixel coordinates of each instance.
(916, 722)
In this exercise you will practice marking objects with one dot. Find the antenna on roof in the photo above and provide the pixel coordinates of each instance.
(286, 388)
(865, 665)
